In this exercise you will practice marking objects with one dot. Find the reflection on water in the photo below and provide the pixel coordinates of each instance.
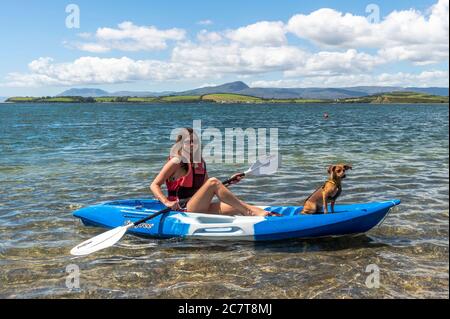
(58, 158)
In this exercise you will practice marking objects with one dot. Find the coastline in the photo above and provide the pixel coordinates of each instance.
(391, 98)
(234, 103)
(230, 103)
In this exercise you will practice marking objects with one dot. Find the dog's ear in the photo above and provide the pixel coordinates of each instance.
(348, 166)
(331, 169)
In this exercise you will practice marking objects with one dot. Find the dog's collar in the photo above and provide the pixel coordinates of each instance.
(333, 182)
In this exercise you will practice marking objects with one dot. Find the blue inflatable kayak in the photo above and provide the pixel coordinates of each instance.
(347, 219)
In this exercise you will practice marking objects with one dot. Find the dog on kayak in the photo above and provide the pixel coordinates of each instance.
(328, 192)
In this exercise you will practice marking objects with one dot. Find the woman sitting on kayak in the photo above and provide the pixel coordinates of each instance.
(188, 179)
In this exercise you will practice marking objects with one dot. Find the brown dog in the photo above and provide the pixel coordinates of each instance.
(329, 192)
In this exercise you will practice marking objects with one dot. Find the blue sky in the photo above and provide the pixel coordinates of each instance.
(176, 45)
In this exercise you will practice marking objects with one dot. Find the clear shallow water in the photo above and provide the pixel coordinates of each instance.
(57, 158)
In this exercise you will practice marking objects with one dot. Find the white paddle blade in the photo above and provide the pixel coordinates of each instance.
(100, 242)
(265, 166)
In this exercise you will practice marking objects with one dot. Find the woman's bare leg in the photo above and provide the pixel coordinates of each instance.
(225, 209)
(201, 201)
(222, 209)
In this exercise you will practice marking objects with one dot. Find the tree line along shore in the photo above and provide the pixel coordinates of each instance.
(224, 98)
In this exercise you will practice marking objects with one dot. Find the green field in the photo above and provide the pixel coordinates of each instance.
(238, 98)
(21, 99)
(125, 99)
(231, 98)
(297, 101)
(142, 99)
(61, 100)
(56, 99)
(105, 99)
(180, 98)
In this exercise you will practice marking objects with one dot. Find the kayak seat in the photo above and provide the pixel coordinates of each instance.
(285, 211)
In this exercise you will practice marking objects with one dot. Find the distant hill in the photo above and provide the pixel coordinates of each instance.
(430, 90)
(307, 93)
(141, 94)
(371, 90)
(334, 93)
(102, 93)
(304, 93)
(266, 93)
(233, 87)
(3, 99)
(84, 93)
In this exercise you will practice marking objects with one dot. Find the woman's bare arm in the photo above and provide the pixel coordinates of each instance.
(167, 171)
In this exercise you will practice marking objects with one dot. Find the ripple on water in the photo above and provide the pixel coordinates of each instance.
(65, 157)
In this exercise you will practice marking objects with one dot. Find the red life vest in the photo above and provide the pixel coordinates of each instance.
(186, 186)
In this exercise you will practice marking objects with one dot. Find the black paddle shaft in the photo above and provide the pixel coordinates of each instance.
(181, 203)
(165, 210)
(230, 180)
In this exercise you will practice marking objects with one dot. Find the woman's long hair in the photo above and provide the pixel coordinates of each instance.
(178, 150)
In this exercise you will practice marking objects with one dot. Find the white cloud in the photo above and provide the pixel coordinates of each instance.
(402, 35)
(233, 58)
(332, 28)
(294, 62)
(205, 22)
(418, 54)
(129, 37)
(205, 85)
(425, 78)
(262, 33)
(206, 36)
(94, 70)
(335, 63)
(190, 61)
(84, 35)
(93, 47)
